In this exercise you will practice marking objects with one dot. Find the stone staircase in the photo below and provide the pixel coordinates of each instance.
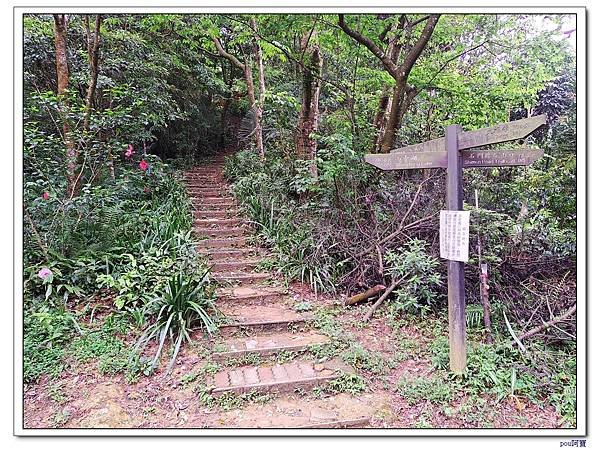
(256, 304)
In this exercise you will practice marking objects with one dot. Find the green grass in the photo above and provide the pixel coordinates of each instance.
(230, 400)
(434, 390)
(347, 382)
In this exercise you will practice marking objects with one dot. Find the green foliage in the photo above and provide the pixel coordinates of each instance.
(434, 390)
(347, 382)
(501, 371)
(111, 353)
(418, 270)
(361, 358)
(45, 334)
(185, 303)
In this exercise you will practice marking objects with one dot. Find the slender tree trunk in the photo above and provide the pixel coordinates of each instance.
(93, 45)
(380, 118)
(306, 145)
(389, 135)
(61, 22)
(261, 91)
(246, 67)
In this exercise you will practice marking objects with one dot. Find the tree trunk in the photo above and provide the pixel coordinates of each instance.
(306, 145)
(261, 91)
(93, 47)
(380, 118)
(389, 135)
(61, 22)
(400, 72)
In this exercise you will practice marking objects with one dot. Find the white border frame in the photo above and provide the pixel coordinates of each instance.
(310, 7)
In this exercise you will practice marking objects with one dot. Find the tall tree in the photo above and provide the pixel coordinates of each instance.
(403, 93)
(306, 145)
(61, 24)
(93, 49)
(259, 106)
(246, 67)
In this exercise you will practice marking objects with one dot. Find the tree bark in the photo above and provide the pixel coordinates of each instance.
(246, 67)
(93, 47)
(306, 145)
(61, 22)
(261, 90)
(389, 58)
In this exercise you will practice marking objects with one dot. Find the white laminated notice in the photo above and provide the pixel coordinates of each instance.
(454, 235)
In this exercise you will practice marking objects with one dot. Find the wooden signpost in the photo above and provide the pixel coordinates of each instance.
(454, 152)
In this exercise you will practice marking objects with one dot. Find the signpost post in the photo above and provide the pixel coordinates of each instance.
(454, 152)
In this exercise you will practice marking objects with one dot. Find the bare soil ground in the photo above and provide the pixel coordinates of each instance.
(82, 398)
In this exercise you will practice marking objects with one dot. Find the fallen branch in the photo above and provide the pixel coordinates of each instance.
(364, 295)
(551, 323)
(385, 295)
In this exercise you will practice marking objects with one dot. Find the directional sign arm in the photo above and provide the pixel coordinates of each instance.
(503, 132)
(507, 131)
(396, 161)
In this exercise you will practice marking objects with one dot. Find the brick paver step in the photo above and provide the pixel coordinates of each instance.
(218, 222)
(272, 316)
(222, 244)
(275, 378)
(222, 232)
(360, 422)
(211, 196)
(205, 205)
(236, 265)
(218, 200)
(264, 324)
(216, 254)
(203, 176)
(216, 214)
(208, 190)
(242, 278)
(250, 293)
(269, 344)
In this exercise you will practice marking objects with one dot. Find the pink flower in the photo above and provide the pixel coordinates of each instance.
(45, 195)
(129, 152)
(143, 164)
(146, 190)
(44, 273)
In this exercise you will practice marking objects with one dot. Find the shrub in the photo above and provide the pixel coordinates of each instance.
(185, 303)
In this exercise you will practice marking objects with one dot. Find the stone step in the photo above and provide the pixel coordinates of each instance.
(216, 214)
(276, 378)
(269, 344)
(218, 222)
(242, 278)
(228, 253)
(205, 174)
(235, 265)
(212, 191)
(265, 316)
(204, 177)
(250, 293)
(211, 181)
(209, 194)
(343, 410)
(220, 200)
(264, 324)
(222, 244)
(220, 232)
(202, 205)
(360, 422)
